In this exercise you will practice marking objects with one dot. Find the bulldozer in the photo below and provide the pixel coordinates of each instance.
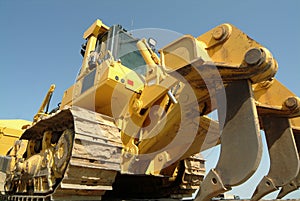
(133, 124)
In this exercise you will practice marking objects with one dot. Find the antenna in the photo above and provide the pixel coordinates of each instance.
(132, 24)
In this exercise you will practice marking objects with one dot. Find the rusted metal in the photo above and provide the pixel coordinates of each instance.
(294, 184)
(240, 139)
(284, 160)
(290, 187)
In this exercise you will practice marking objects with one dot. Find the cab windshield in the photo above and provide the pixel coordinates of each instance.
(123, 47)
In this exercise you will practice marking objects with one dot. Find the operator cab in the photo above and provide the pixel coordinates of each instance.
(121, 46)
(112, 65)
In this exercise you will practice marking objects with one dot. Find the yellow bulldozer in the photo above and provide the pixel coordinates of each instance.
(134, 123)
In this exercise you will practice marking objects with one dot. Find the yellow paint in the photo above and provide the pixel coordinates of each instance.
(10, 131)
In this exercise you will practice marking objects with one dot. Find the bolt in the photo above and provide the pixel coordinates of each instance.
(219, 33)
(137, 104)
(127, 155)
(214, 181)
(150, 71)
(291, 103)
(160, 158)
(254, 56)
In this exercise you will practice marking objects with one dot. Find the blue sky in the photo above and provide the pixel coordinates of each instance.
(40, 40)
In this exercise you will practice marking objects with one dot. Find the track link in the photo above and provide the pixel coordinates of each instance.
(94, 158)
